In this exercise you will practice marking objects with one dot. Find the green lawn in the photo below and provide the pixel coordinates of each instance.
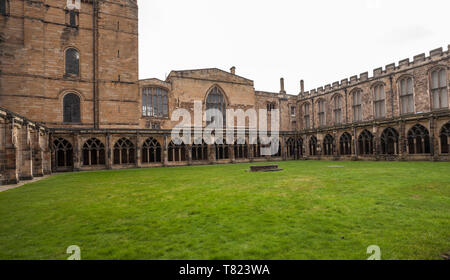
(311, 210)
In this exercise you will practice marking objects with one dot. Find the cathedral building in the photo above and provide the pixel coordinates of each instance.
(71, 100)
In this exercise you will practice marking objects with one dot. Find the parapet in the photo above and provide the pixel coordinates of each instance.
(390, 68)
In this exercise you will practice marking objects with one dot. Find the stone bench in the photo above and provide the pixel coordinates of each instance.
(264, 168)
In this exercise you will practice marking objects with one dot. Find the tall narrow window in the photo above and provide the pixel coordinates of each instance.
(216, 101)
(322, 118)
(200, 151)
(337, 109)
(293, 111)
(357, 107)
(306, 118)
(176, 153)
(72, 62)
(379, 101)
(439, 89)
(71, 108)
(154, 102)
(406, 95)
(72, 18)
(3, 7)
(222, 150)
(240, 150)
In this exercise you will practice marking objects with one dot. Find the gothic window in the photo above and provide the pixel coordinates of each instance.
(72, 62)
(257, 149)
(357, 106)
(445, 138)
(439, 93)
(322, 117)
(177, 152)
(94, 152)
(345, 144)
(406, 95)
(337, 109)
(306, 118)
(328, 145)
(63, 153)
(240, 150)
(216, 100)
(154, 102)
(124, 152)
(379, 101)
(294, 148)
(200, 151)
(151, 151)
(222, 151)
(365, 143)
(389, 142)
(418, 140)
(71, 108)
(313, 146)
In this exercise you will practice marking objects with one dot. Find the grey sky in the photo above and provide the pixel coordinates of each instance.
(320, 41)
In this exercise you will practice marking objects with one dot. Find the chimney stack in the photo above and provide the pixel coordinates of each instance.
(302, 86)
(282, 91)
(233, 70)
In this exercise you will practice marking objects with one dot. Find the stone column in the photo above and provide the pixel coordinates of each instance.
(232, 155)
(38, 167)
(11, 153)
(26, 166)
(77, 152)
(109, 158)
(138, 152)
(189, 154)
(165, 152)
(283, 148)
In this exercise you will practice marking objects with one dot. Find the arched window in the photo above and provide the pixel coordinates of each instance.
(71, 108)
(294, 148)
(222, 151)
(445, 138)
(321, 112)
(290, 148)
(154, 102)
(389, 142)
(151, 151)
(379, 101)
(345, 144)
(406, 95)
(72, 62)
(337, 109)
(124, 152)
(177, 152)
(216, 100)
(365, 143)
(313, 146)
(63, 153)
(357, 105)
(93, 152)
(418, 140)
(328, 144)
(306, 116)
(240, 150)
(200, 151)
(439, 93)
(257, 149)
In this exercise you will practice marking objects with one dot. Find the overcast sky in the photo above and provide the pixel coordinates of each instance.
(320, 41)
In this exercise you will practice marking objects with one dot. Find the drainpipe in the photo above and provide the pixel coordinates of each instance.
(392, 97)
(94, 62)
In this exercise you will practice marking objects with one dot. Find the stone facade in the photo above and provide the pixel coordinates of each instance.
(114, 132)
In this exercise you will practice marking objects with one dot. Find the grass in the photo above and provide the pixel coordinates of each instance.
(311, 210)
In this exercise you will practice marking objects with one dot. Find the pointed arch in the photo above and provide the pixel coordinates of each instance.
(176, 153)
(365, 143)
(94, 152)
(63, 153)
(444, 136)
(151, 151)
(328, 145)
(215, 99)
(124, 152)
(313, 146)
(345, 144)
(389, 142)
